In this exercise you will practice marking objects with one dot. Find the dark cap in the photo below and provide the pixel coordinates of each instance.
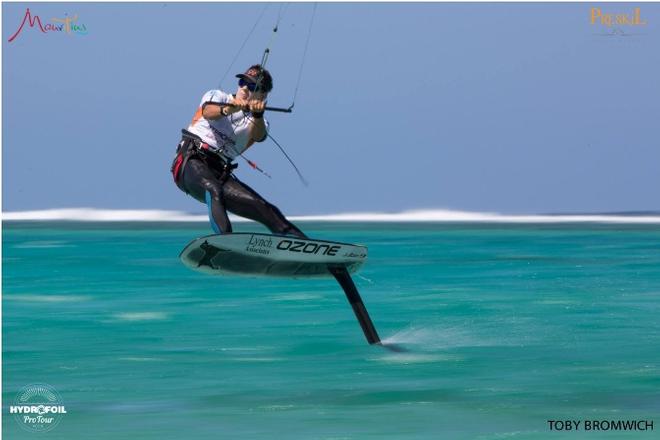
(258, 75)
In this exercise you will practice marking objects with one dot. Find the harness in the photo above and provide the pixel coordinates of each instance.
(191, 146)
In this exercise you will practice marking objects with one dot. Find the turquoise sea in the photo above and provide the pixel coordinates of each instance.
(506, 326)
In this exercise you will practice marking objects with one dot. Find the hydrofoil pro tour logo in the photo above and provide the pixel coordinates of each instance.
(67, 24)
(38, 408)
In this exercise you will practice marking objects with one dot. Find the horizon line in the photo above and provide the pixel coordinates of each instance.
(416, 215)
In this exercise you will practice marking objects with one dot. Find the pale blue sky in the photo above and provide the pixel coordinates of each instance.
(514, 108)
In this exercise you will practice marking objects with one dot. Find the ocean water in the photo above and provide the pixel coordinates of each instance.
(505, 326)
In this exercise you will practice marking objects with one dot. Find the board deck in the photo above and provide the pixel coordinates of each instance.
(270, 255)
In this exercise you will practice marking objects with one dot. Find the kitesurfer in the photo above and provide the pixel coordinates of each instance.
(223, 127)
(217, 134)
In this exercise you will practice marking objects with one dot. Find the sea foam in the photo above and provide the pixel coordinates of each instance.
(420, 215)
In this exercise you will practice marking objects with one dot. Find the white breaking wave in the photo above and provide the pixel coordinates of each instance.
(428, 215)
(440, 215)
(104, 215)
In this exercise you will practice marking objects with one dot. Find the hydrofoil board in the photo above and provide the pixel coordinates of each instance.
(271, 255)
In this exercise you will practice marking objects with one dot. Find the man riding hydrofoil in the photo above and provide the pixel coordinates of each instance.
(223, 127)
(217, 134)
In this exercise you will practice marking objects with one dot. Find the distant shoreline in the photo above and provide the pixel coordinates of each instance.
(412, 216)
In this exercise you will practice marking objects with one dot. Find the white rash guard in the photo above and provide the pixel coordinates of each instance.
(229, 134)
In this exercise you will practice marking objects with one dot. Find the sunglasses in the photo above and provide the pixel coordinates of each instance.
(250, 85)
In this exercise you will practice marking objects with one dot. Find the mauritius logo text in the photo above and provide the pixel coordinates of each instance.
(68, 25)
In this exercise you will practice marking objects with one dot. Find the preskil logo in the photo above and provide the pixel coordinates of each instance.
(68, 25)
